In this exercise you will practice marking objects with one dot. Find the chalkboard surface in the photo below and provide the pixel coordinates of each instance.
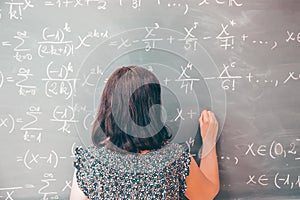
(239, 58)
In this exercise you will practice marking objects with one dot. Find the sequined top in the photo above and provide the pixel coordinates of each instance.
(106, 174)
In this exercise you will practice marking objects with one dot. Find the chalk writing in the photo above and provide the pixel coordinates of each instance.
(25, 89)
(21, 52)
(64, 115)
(29, 125)
(190, 41)
(186, 80)
(99, 4)
(16, 8)
(31, 129)
(83, 40)
(47, 56)
(58, 81)
(54, 43)
(292, 36)
(229, 3)
(277, 180)
(31, 159)
(91, 78)
(225, 38)
(273, 150)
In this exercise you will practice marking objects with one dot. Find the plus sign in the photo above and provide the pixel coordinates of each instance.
(232, 22)
(244, 37)
(166, 81)
(191, 113)
(170, 39)
(249, 77)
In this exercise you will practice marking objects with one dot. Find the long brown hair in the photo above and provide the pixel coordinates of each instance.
(127, 117)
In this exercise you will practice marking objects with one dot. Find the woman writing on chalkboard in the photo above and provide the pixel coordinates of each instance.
(131, 157)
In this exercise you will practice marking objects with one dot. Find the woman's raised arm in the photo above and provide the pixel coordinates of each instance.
(203, 182)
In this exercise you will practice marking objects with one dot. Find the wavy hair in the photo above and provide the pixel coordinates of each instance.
(125, 112)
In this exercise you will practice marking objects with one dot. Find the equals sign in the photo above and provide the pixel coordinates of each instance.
(10, 79)
(6, 43)
(114, 43)
(19, 120)
(49, 3)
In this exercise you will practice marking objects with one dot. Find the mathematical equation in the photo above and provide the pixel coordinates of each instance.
(57, 83)
(41, 69)
(46, 190)
(278, 180)
(52, 158)
(275, 150)
(229, 78)
(53, 43)
(192, 38)
(31, 125)
(15, 9)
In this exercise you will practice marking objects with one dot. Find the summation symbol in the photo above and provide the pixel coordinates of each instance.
(24, 88)
(22, 53)
(47, 180)
(31, 130)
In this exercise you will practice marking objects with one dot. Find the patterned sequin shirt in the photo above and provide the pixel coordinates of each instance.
(106, 174)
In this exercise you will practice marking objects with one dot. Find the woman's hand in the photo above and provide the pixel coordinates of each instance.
(203, 182)
(209, 126)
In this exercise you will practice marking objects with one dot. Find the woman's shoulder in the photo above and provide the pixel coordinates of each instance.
(170, 154)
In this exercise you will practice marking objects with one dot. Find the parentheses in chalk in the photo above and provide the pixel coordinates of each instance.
(54, 113)
(72, 150)
(71, 90)
(1, 79)
(236, 160)
(46, 89)
(84, 122)
(13, 123)
(271, 148)
(62, 34)
(25, 158)
(56, 158)
(72, 112)
(40, 51)
(275, 180)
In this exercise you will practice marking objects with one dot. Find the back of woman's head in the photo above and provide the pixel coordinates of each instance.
(128, 116)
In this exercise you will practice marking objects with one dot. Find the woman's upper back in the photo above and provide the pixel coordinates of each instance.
(106, 174)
